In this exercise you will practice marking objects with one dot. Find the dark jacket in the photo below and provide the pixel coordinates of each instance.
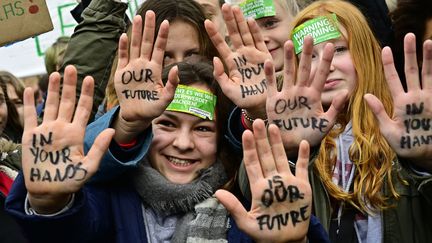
(93, 45)
(10, 165)
(99, 214)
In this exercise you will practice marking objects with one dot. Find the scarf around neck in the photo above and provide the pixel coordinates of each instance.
(204, 218)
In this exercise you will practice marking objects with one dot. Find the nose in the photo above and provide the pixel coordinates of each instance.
(332, 66)
(184, 140)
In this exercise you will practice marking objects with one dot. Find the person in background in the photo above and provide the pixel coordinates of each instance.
(10, 165)
(54, 54)
(411, 16)
(15, 88)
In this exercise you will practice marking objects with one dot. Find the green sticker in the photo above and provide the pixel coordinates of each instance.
(320, 28)
(193, 101)
(258, 8)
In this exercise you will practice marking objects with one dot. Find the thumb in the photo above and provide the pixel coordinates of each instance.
(233, 205)
(378, 109)
(98, 149)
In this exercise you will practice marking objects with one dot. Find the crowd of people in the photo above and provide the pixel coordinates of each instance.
(225, 121)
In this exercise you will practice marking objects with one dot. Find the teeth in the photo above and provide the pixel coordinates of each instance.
(179, 162)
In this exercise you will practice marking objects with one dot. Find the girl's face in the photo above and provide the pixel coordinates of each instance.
(183, 144)
(3, 111)
(13, 97)
(213, 11)
(182, 42)
(342, 75)
(276, 31)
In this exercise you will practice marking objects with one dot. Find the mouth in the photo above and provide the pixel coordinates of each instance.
(272, 50)
(330, 83)
(180, 162)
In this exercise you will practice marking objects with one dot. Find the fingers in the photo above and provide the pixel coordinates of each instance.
(123, 54)
(250, 158)
(289, 65)
(324, 67)
(256, 35)
(427, 65)
(231, 24)
(30, 116)
(98, 149)
(68, 97)
(53, 98)
(234, 207)
(337, 105)
(411, 67)
(304, 68)
(148, 34)
(172, 83)
(264, 150)
(278, 149)
(243, 27)
(271, 78)
(303, 161)
(378, 109)
(220, 75)
(218, 41)
(161, 42)
(85, 103)
(390, 72)
(136, 37)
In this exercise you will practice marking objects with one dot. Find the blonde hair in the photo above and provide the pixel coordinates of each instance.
(55, 53)
(370, 152)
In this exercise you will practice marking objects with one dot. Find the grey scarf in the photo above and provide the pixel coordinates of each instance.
(205, 219)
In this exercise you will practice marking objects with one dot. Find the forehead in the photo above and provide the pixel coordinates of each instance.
(181, 30)
(209, 3)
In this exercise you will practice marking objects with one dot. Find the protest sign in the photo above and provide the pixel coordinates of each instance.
(20, 19)
(26, 58)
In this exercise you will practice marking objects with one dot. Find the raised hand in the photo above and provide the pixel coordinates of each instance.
(281, 202)
(408, 130)
(138, 78)
(53, 160)
(297, 109)
(245, 82)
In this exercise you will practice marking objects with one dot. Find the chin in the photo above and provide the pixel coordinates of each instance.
(181, 181)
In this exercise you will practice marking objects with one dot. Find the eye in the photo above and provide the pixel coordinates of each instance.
(270, 23)
(165, 123)
(203, 129)
(340, 49)
(191, 53)
(168, 59)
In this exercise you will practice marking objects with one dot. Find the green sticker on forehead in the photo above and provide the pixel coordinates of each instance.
(321, 29)
(258, 8)
(193, 101)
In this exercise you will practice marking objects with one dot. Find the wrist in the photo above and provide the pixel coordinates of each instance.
(247, 119)
(127, 131)
(48, 204)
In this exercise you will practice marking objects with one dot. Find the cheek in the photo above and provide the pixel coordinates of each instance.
(207, 146)
(161, 139)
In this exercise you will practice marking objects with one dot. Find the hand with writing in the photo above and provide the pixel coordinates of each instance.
(53, 160)
(281, 202)
(409, 130)
(138, 78)
(297, 109)
(245, 82)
